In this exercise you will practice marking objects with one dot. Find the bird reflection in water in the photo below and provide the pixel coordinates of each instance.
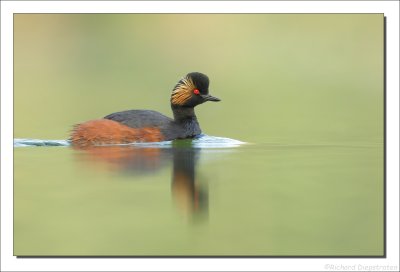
(190, 197)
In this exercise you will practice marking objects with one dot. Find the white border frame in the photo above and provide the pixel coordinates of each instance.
(11, 263)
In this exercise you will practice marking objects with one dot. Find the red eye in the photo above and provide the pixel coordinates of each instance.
(195, 91)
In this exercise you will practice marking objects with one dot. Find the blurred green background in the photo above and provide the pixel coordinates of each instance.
(281, 77)
(305, 89)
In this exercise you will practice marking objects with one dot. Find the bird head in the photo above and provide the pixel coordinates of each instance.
(191, 91)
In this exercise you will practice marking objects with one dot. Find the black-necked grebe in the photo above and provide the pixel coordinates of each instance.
(147, 125)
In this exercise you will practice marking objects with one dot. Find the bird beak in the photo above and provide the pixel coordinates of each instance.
(208, 97)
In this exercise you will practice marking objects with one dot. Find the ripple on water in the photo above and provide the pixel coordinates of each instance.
(38, 142)
(204, 141)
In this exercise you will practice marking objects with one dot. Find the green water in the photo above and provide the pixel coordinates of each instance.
(304, 91)
(250, 200)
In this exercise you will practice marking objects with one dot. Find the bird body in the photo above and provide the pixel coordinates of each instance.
(148, 125)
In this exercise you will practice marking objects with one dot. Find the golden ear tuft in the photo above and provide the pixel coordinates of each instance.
(182, 91)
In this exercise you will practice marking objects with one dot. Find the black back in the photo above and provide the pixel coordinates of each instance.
(139, 118)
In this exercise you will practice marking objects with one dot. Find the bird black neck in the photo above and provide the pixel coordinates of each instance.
(185, 118)
(183, 114)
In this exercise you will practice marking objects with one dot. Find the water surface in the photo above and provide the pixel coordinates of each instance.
(183, 200)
